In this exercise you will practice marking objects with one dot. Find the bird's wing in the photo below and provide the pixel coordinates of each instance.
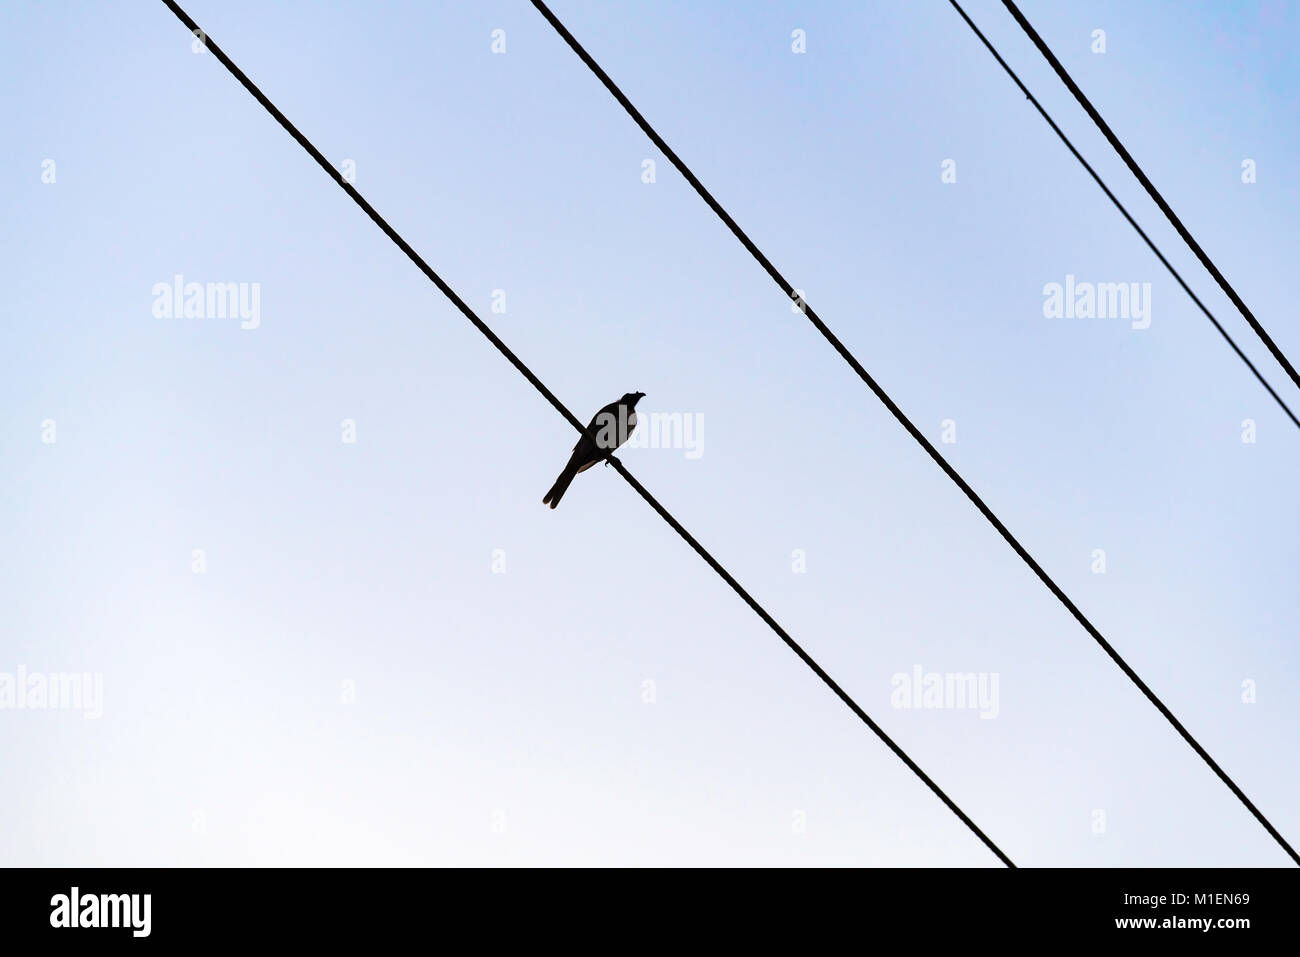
(590, 431)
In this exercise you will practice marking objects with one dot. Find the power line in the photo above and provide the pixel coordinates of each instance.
(1154, 194)
(903, 420)
(537, 383)
(1120, 206)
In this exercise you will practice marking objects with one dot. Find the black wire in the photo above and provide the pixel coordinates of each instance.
(1160, 201)
(537, 383)
(903, 420)
(1120, 206)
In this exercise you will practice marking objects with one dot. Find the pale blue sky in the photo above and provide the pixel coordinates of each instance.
(499, 717)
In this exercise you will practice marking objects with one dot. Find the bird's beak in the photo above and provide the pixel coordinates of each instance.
(639, 395)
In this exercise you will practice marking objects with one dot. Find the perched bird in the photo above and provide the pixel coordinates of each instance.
(608, 430)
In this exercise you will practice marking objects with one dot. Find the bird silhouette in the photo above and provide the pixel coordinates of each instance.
(609, 428)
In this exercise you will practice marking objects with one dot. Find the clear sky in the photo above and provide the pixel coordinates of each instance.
(391, 652)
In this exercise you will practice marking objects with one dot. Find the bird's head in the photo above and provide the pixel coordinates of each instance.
(630, 400)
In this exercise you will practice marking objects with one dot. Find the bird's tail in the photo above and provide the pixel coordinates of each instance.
(559, 488)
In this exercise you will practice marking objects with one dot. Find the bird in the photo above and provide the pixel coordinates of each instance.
(609, 428)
